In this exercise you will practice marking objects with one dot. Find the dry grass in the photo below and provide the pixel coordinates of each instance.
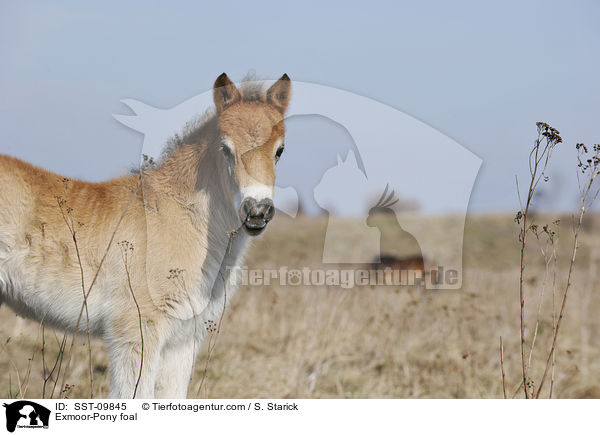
(369, 342)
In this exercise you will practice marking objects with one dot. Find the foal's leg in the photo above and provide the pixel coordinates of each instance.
(126, 348)
(175, 369)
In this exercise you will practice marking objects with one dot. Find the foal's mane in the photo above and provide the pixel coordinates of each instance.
(251, 90)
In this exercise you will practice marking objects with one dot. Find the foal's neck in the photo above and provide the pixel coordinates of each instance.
(195, 171)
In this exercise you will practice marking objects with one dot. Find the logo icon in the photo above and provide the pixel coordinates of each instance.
(26, 414)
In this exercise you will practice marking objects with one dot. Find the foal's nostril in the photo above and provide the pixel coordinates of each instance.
(269, 210)
(262, 210)
(246, 208)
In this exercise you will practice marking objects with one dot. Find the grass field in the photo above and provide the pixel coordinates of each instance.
(370, 342)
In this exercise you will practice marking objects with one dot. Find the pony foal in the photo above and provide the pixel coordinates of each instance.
(148, 250)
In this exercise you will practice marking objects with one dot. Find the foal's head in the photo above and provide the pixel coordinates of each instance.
(252, 135)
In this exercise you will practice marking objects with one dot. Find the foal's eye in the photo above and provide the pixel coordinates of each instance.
(279, 153)
(227, 153)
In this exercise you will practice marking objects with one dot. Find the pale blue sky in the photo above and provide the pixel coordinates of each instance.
(482, 74)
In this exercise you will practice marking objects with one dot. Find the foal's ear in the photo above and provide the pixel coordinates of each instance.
(225, 93)
(279, 94)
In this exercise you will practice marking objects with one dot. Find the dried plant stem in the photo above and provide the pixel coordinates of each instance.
(125, 248)
(539, 158)
(553, 323)
(58, 364)
(10, 395)
(502, 368)
(12, 363)
(211, 343)
(564, 298)
(521, 295)
(95, 278)
(517, 389)
(548, 258)
(585, 202)
(67, 215)
(47, 375)
(44, 368)
(87, 318)
(552, 374)
(27, 374)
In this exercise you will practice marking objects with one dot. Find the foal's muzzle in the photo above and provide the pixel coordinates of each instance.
(256, 214)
